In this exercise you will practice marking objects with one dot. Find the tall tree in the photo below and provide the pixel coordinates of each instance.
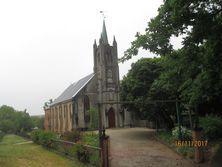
(12, 121)
(136, 85)
(198, 64)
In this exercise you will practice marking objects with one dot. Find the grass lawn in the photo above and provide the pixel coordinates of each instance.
(29, 155)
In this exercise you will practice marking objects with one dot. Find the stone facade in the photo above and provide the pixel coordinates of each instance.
(71, 109)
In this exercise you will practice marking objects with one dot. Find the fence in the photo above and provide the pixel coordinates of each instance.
(84, 153)
(105, 145)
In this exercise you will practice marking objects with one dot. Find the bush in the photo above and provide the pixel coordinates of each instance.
(95, 159)
(43, 137)
(72, 136)
(83, 154)
(212, 126)
(186, 134)
(91, 138)
(35, 135)
(24, 134)
(46, 138)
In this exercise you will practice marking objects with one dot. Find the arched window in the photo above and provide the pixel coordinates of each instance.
(86, 108)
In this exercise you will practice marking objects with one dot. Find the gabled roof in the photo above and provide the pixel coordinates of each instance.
(73, 89)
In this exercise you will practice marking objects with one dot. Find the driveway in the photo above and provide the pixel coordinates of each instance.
(136, 147)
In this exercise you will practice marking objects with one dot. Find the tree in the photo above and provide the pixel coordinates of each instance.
(136, 85)
(197, 66)
(38, 121)
(12, 121)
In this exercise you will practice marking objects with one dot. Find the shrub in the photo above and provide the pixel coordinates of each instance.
(186, 134)
(83, 154)
(72, 136)
(212, 126)
(91, 138)
(43, 137)
(35, 135)
(95, 159)
(46, 138)
(24, 134)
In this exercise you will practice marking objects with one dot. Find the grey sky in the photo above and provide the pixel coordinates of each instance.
(47, 44)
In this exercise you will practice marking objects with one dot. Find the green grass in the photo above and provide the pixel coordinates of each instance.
(90, 138)
(29, 155)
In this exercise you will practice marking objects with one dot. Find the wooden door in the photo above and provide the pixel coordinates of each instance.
(111, 118)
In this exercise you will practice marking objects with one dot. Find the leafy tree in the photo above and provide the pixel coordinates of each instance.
(38, 121)
(193, 73)
(136, 85)
(12, 121)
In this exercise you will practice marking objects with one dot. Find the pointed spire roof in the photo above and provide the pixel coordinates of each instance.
(95, 43)
(114, 40)
(104, 34)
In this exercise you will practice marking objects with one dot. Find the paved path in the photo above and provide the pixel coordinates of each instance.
(136, 147)
(26, 142)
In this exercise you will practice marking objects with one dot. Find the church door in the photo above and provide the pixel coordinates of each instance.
(111, 118)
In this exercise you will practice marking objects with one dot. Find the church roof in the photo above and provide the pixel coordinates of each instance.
(73, 89)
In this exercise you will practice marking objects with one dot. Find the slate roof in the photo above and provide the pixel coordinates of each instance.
(73, 89)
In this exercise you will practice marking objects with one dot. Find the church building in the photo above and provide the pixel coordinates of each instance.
(71, 109)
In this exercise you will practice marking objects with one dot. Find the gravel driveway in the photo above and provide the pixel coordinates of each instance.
(136, 147)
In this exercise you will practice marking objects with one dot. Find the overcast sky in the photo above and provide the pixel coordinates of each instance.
(46, 45)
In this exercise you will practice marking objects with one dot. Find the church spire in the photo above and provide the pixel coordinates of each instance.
(104, 34)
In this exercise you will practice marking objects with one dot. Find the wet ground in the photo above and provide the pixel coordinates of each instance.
(136, 147)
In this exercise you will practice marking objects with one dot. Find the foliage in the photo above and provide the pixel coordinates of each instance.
(166, 136)
(35, 135)
(72, 136)
(31, 155)
(78, 150)
(83, 154)
(91, 138)
(12, 121)
(168, 139)
(38, 121)
(212, 126)
(193, 72)
(140, 87)
(1, 135)
(94, 119)
(186, 134)
(135, 86)
(186, 151)
(43, 137)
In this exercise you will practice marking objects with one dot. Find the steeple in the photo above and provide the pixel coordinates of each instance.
(104, 34)
(114, 41)
(94, 45)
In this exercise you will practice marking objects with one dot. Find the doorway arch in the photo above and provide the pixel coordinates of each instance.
(111, 118)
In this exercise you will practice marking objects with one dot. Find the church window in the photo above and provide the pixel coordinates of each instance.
(64, 111)
(109, 76)
(70, 110)
(98, 58)
(86, 108)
